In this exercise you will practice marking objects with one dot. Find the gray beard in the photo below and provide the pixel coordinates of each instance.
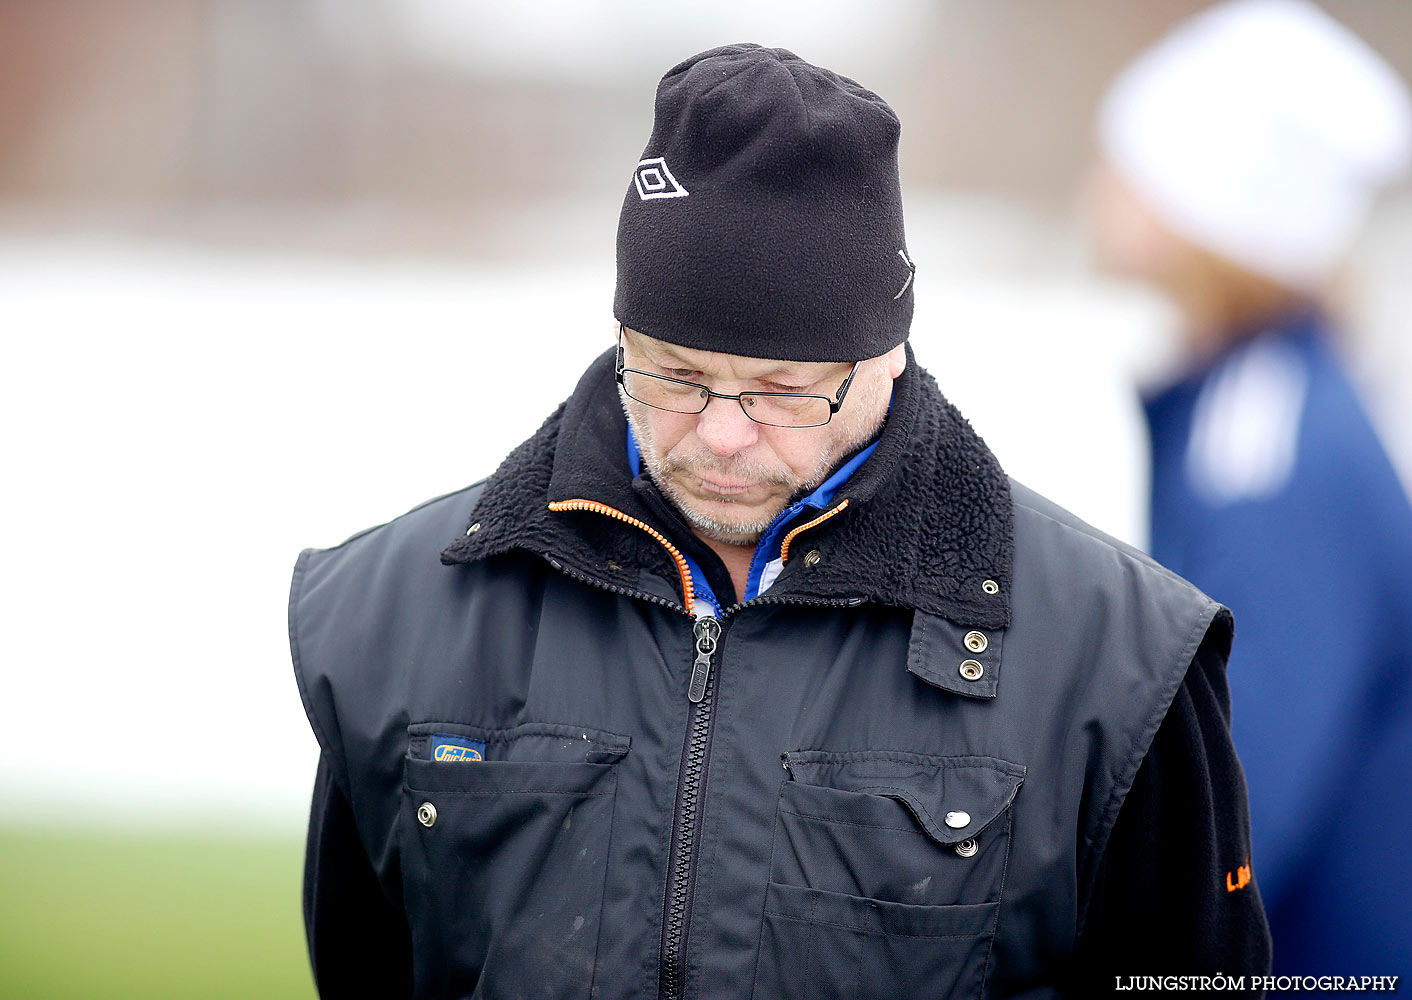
(737, 533)
(747, 533)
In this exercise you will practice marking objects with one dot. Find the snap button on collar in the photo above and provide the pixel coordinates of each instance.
(958, 818)
(976, 642)
(971, 670)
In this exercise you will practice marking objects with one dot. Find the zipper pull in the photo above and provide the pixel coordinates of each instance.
(707, 630)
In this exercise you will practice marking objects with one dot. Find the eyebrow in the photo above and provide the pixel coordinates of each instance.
(661, 354)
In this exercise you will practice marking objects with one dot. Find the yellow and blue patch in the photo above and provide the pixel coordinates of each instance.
(456, 749)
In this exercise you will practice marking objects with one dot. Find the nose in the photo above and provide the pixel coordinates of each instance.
(724, 428)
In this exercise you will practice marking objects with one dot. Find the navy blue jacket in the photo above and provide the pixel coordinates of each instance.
(1272, 493)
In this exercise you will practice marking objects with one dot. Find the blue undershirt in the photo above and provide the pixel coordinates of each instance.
(765, 564)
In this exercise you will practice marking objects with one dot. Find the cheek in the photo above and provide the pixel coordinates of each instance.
(666, 429)
(800, 450)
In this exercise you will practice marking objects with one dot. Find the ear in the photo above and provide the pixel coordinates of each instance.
(896, 360)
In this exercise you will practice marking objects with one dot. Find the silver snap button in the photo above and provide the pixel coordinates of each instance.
(990, 586)
(473, 528)
(957, 819)
(812, 557)
(971, 670)
(968, 847)
(976, 642)
(426, 814)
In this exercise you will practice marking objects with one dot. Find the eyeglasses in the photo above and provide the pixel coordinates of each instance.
(774, 409)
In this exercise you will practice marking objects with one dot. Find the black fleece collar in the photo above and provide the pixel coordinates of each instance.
(929, 519)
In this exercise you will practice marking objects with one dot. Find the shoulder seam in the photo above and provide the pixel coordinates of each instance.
(1098, 536)
(477, 485)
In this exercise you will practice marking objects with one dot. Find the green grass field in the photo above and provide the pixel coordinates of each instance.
(96, 915)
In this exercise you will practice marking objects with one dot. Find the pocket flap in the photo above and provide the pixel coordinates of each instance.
(951, 798)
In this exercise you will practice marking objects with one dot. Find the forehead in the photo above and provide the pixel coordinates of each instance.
(726, 365)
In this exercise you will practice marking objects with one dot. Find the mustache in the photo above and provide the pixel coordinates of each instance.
(731, 468)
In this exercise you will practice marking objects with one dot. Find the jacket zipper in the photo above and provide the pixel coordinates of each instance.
(707, 631)
(681, 868)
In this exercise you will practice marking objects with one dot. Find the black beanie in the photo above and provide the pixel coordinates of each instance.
(765, 217)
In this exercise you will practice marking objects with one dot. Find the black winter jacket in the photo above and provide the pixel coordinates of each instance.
(968, 747)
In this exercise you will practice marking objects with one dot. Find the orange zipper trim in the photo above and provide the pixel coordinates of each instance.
(687, 587)
(784, 548)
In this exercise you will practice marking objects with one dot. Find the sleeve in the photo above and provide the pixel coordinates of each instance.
(359, 944)
(1175, 892)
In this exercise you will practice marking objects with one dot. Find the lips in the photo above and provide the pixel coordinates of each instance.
(725, 488)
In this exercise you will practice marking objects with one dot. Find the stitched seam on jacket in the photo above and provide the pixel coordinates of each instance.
(603, 888)
(504, 791)
(769, 877)
(951, 762)
(1000, 900)
(915, 830)
(861, 930)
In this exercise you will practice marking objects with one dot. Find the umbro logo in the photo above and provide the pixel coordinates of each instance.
(911, 273)
(654, 180)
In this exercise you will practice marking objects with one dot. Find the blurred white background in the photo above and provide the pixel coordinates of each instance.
(272, 272)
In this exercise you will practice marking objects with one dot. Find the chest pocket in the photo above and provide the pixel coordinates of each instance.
(504, 854)
(886, 875)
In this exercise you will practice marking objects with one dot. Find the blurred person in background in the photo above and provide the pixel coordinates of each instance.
(757, 535)
(1241, 154)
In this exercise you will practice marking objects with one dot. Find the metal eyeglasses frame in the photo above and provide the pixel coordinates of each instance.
(835, 402)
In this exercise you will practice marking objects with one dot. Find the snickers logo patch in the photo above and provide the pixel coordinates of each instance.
(456, 749)
(1240, 879)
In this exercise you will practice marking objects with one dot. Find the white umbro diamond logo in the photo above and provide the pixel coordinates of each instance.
(911, 273)
(654, 180)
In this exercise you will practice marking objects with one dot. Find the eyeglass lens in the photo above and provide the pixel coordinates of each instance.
(781, 410)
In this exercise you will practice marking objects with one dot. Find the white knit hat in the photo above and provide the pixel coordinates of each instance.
(1261, 130)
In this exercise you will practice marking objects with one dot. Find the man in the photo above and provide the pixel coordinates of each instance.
(707, 697)
(1270, 489)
